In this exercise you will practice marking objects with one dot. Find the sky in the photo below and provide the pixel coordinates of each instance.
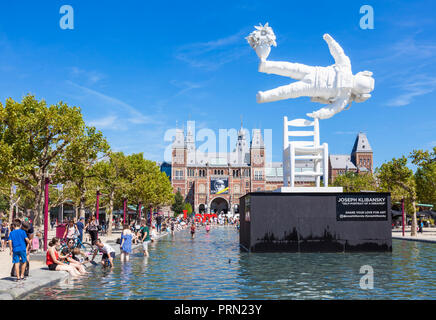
(139, 69)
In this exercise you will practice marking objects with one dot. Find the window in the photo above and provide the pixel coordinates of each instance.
(178, 175)
(258, 175)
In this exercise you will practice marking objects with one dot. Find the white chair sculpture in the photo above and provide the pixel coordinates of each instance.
(294, 151)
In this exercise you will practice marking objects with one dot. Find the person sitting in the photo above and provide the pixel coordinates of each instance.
(54, 262)
(68, 255)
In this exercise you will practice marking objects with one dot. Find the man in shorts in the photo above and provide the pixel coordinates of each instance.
(107, 250)
(145, 237)
(18, 243)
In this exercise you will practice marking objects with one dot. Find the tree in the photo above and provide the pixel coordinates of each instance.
(395, 177)
(77, 161)
(425, 175)
(178, 204)
(32, 138)
(146, 183)
(111, 176)
(188, 208)
(354, 182)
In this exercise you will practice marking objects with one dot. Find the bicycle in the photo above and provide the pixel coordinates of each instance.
(87, 247)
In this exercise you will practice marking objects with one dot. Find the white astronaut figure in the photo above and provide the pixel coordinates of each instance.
(334, 85)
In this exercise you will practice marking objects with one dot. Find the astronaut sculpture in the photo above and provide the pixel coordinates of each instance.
(334, 85)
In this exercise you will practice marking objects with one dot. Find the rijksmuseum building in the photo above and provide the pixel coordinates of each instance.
(214, 182)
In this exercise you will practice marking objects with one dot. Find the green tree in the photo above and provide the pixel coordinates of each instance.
(188, 208)
(395, 177)
(77, 162)
(32, 138)
(111, 176)
(178, 204)
(354, 182)
(425, 175)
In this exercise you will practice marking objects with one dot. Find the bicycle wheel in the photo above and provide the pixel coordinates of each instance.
(86, 247)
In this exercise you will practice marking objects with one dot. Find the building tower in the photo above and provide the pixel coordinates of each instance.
(362, 154)
(257, 161)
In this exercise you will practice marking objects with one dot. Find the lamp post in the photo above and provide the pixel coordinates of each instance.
(402, 209)
(139, 210)
(124, 210)
(60, 187)
(97, 208)
(47, 183)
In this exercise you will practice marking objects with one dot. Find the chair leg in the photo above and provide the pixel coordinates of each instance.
(292, 164)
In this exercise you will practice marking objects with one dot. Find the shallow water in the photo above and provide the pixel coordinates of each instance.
(212, 267)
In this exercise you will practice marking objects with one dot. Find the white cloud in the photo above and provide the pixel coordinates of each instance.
(213, 54)
(411, 88)
(136, 116)
(104, 123)
(90, 77)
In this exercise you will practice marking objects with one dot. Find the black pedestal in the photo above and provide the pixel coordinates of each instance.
(315, 222)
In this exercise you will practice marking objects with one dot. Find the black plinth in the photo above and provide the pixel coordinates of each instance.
(315, 222)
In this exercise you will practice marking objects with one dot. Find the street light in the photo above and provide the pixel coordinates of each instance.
(47, 183)
(97, 209)
(60, 188)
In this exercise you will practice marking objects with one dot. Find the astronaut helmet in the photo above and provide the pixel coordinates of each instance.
(363, 83)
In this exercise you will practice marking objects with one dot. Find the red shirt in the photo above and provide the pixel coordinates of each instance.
(49, 260)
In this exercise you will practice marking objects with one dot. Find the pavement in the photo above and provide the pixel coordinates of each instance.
(39, 275)
(428, 234)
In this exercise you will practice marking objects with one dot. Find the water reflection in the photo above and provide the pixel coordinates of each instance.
(212, 267)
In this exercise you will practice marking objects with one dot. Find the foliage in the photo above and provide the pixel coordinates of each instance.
(395, 177)
(188, 208)
(425, 175)
(354, 182)
(32, 138)
(178, 204)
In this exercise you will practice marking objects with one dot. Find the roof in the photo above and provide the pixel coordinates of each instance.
(341, 161)
(361, 144)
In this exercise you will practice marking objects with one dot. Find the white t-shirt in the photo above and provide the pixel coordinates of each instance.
(106, 249)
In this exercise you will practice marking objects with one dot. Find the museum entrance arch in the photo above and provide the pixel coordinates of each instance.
(202, 208)
(219, 205)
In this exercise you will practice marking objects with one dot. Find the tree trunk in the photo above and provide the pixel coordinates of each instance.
(82, 204)
(11, 205)
(414, 222)
(110, 212)
(39, 204)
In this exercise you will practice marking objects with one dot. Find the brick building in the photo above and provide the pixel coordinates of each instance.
(214, 182)
(360, 160)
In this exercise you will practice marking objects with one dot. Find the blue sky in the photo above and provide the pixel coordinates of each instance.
(138, 67)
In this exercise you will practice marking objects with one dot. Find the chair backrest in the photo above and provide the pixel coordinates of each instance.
(300, 123)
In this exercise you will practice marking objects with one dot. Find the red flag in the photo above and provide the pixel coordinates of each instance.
(185, 214)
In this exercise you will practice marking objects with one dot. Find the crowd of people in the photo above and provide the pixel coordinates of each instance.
(66, 254)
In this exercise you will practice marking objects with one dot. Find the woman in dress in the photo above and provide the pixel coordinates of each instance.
(126, 243)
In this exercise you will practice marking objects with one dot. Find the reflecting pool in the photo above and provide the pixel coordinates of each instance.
(211, 266)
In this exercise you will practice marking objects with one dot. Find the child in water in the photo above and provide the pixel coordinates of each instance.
(192, 230)
(207, 227)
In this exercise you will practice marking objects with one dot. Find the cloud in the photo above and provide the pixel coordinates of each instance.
(104, 123)
(412, 88)
(213, 54)
(90, 77)
(346, 132)
(186, 86)
(136, 116)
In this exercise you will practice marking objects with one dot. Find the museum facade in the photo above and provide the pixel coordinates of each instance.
(214, 182)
